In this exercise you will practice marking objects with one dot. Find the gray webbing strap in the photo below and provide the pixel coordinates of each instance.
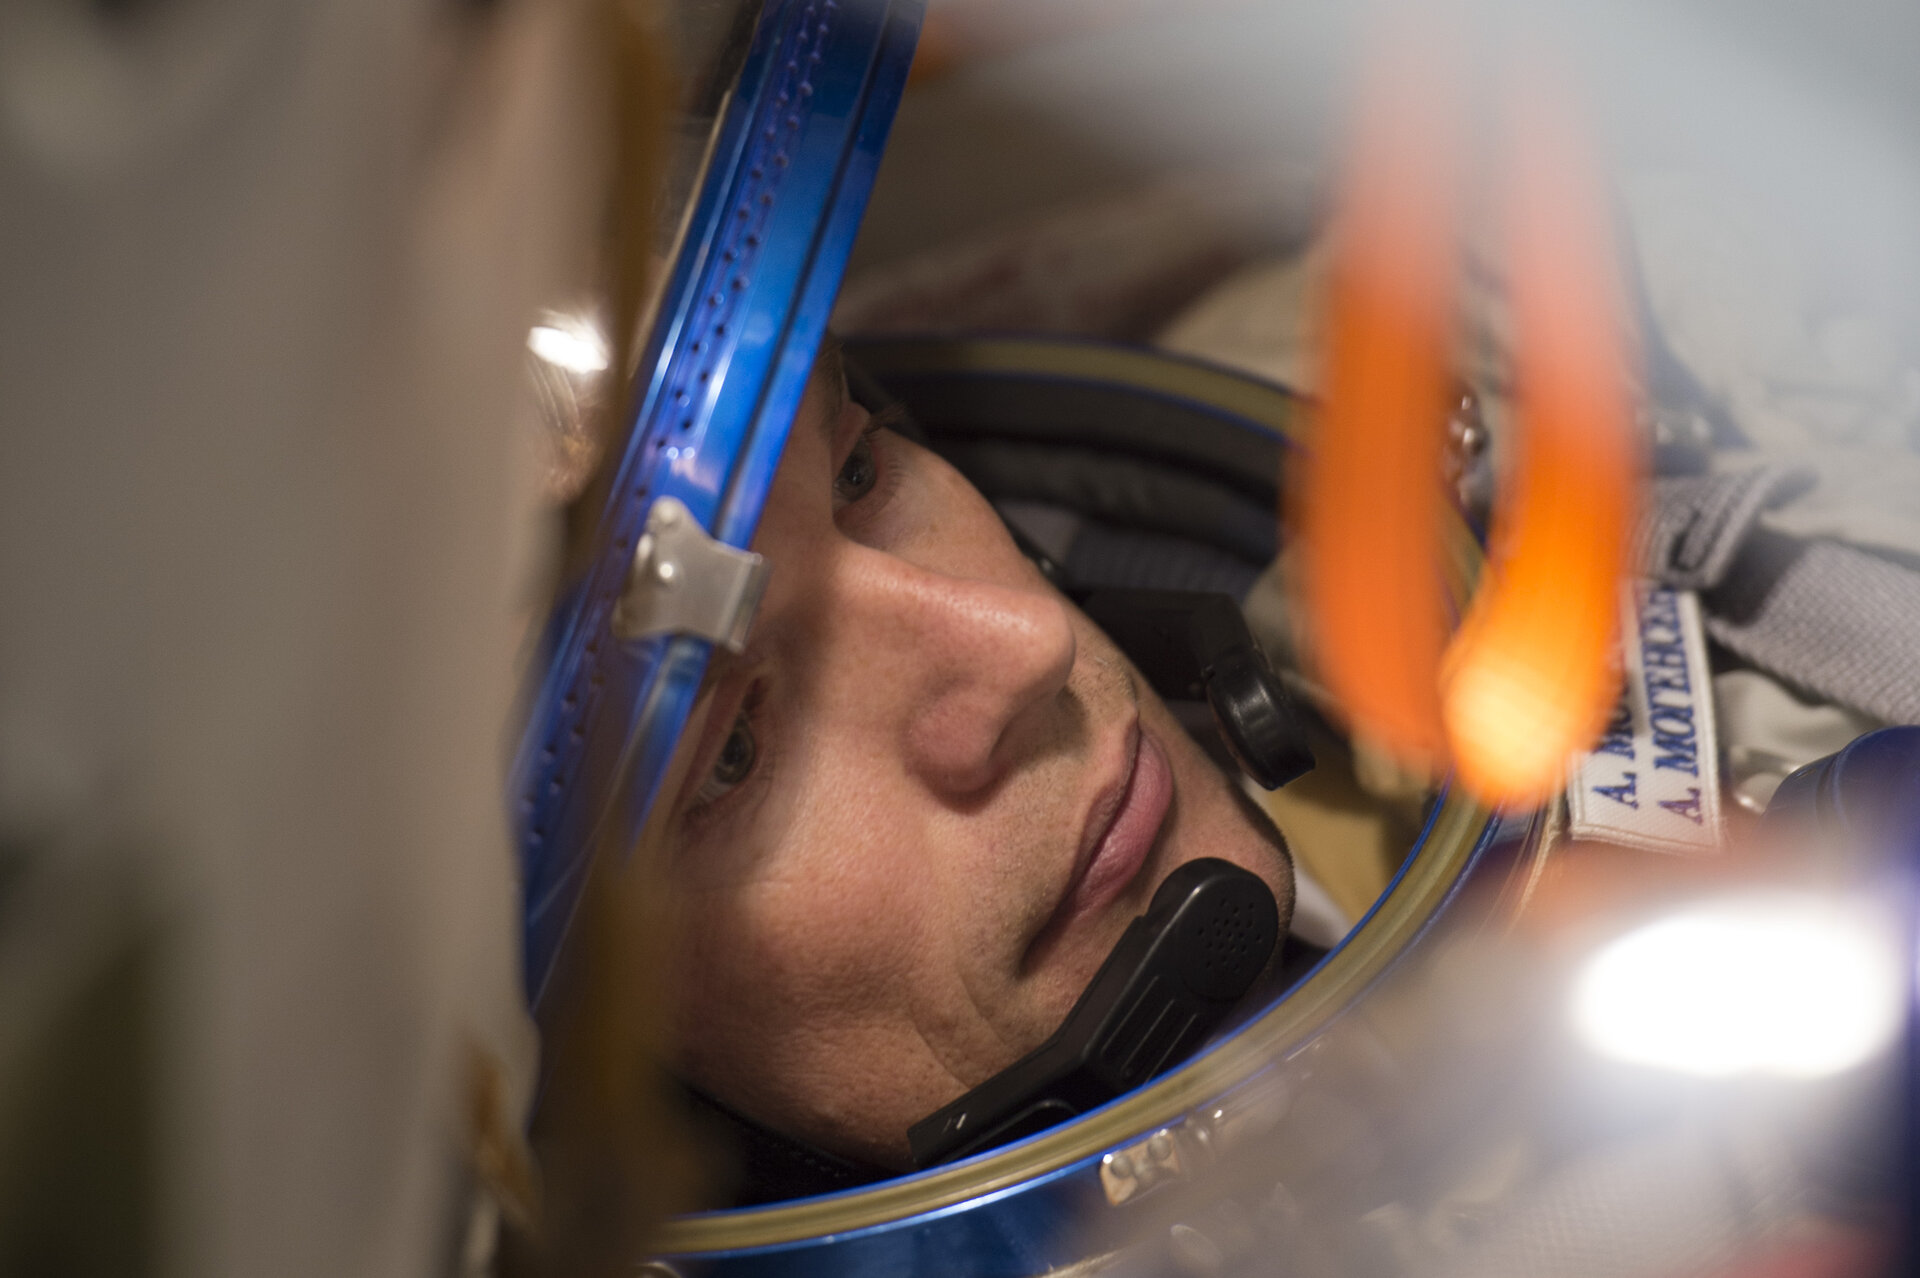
(1696, 523)
(1836, 620)
(1832, 618)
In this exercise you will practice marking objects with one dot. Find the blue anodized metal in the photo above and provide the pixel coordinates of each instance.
(721, 377)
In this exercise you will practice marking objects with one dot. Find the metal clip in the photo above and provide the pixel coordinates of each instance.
(684, 582)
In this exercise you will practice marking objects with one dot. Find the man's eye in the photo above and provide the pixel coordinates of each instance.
(859, 473)
(737, 756)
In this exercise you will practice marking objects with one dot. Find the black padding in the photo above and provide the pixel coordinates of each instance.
(1166, 471)
(1194, 436)
(1128, 559)
(1119, 489)
(865, 390)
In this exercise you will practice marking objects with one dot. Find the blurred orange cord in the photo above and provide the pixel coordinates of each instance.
(1371, 502)
(1530, 675)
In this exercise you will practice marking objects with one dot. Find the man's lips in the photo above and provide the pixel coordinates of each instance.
(1121, 831)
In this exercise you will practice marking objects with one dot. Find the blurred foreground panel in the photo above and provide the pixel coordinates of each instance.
(268, 273)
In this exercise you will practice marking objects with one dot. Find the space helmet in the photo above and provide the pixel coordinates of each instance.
(1121, 472)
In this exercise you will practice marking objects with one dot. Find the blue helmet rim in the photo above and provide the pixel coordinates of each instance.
(718, 382)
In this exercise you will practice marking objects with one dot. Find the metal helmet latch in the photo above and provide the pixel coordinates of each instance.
(685, 582)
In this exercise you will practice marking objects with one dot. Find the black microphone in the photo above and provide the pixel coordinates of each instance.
(1171, 980)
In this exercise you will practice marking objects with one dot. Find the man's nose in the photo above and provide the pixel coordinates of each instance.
(962, 668)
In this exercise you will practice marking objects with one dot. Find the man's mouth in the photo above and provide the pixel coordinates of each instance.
(1120, 833)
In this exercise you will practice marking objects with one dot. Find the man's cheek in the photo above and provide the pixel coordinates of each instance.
(763, 973)
(843, 930)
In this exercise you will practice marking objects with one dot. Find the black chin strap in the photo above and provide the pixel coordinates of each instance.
(773, 1167)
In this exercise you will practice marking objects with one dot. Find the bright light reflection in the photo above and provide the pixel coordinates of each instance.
(1796, 986)
(575, 347)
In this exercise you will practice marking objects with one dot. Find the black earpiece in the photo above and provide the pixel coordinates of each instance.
(1196, 646)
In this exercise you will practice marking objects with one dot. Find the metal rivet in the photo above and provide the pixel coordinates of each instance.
(1160, 1148)
(1120, 1165)
(665, 571)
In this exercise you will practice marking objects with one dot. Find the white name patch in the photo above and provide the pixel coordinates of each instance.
(1653, 781)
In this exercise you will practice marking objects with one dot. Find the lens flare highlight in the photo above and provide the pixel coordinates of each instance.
(1792, 986)
(574, 345)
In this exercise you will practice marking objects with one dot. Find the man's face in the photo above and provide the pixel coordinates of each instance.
(920, 809)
